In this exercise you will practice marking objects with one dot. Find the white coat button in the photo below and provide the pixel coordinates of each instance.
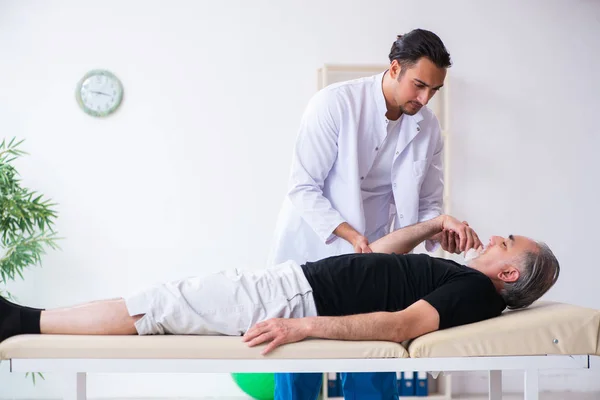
(401, 216)
(376, 148)
(394, 184)
(418, 129)
(397, 152)
(362, 177)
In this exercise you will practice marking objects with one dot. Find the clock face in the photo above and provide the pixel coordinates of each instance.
(99, 93)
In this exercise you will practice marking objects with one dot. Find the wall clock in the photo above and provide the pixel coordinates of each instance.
(99, 93)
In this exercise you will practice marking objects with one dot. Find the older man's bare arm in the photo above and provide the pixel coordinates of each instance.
(418, 319)
(406, 239)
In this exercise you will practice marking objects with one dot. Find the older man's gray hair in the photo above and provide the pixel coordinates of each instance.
(539, 271)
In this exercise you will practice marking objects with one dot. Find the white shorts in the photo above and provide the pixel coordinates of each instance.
(224, 303)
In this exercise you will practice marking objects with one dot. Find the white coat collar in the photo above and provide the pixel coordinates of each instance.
(380, 100)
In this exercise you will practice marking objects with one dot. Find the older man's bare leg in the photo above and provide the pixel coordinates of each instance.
(106, 317)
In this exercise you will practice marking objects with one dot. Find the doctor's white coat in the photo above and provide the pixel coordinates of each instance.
(343, 126)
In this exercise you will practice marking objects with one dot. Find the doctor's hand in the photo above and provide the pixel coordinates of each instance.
(277, 331)
(457, 236)
(352, 236)
(361, 245)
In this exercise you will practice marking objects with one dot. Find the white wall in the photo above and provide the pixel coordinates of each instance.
(187, 177)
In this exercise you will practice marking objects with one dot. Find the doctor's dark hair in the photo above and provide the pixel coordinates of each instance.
(539, 272)
(409, 48)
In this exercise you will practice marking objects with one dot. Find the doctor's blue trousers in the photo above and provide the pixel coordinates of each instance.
(357, 386)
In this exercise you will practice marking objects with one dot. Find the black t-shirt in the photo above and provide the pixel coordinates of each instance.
(364, 283)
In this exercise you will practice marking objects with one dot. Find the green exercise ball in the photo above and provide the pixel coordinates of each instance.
(257, 386)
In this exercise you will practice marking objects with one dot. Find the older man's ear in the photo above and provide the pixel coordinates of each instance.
(509, 274)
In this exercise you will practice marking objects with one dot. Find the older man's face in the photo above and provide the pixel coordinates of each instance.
(501, 254)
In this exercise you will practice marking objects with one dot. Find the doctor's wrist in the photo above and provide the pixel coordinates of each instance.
(348, 233)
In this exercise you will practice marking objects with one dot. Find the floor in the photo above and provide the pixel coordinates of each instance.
(543, 396)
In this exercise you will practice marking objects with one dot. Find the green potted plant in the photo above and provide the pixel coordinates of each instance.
(26, 221)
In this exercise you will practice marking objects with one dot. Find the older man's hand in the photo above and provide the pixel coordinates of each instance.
(449, 242)
(277, 331)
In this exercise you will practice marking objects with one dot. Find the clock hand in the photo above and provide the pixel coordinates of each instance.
(106, 94)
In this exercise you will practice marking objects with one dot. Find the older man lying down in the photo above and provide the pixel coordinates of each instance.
(385, 295)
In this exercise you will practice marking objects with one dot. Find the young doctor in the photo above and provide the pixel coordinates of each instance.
(368, 152)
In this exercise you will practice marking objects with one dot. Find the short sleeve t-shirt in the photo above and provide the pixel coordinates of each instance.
(363, 283)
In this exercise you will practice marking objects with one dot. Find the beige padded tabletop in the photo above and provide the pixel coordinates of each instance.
(186, 347)
(543, 328)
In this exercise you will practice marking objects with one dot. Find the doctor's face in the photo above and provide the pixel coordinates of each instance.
(413, 88)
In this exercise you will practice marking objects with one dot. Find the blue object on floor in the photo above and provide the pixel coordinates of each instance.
(421, 384)
(408, 384)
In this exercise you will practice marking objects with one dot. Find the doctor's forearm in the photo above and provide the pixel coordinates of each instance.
(346, 232)
(405, 239)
